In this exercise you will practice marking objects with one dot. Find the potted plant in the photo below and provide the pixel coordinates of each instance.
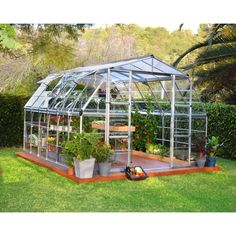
(101, 93)
(70, 162)
(200, 148)
(122, 144)
(157, 149)
(212, 149)
(114, 93)
(51, 144)
(102, 152)
(80, 148)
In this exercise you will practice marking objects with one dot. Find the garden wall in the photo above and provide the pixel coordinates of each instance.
(221, 122)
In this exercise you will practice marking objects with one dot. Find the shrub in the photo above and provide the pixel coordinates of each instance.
(11, 120)
(157, 149)
(222, 123)
(146, 128)
(102, 152)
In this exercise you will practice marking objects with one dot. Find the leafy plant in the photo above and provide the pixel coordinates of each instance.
(7, 38)
(157, 149)
(215, 62)
(213, 146)
(114, 92)
(122, 143)
(200, 143)
(146, 128)
(81, 146)
(102, 151)
(69, 160)
(80, 87)
(52, 140)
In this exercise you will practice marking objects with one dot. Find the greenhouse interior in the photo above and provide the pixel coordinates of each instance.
(115, 100)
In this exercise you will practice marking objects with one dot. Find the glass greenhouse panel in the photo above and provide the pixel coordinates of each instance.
(105, 99)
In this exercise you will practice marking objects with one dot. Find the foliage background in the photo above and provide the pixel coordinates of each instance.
(43, 49)
(11, 120)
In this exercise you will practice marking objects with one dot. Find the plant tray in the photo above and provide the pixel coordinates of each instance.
(131, 173)
(114, 128)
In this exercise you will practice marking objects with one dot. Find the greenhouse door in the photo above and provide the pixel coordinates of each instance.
(181, 125)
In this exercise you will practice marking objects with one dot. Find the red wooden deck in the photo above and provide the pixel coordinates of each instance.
(152, 167)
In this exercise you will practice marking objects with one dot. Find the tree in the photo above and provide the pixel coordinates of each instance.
(7, 38)
(214, 67)
(51, 48)
(46, 48)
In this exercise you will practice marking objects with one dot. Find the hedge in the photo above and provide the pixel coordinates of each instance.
(11, 120)
(221, 122)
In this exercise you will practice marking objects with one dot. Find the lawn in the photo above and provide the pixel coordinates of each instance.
(26, 187)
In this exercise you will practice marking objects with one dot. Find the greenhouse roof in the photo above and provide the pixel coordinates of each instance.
(147, 68)
(60, 92)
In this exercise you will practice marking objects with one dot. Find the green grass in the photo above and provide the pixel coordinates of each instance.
(26, 187)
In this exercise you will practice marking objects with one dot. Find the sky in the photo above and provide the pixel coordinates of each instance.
(168, 13)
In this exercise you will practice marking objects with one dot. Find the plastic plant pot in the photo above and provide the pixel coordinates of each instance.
(84, 169)
(201, 162)
(104, 168)
(210, 161)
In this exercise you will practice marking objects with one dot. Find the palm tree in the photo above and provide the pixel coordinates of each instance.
(214, 67)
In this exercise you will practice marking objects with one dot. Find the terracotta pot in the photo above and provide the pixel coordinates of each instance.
(52, 148)
(123, 148)
(71, 171)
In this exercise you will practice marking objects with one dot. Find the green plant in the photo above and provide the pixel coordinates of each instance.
(102, 152)
(79, 87)
(200, 143)
(69, 160)
(157, 149)
(114, 92)
(213, 146)
(81, 146)
(146, 128)
(51, 140)
(11, 119)
(122, 143)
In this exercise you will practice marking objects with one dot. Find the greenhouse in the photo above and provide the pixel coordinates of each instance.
(110, 99)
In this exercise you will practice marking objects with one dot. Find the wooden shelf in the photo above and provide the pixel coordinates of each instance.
(114, 128)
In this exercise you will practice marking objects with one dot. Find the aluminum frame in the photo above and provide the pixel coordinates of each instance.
(128, 75)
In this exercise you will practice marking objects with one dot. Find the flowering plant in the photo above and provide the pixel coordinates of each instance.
(62, 120)
(52, 140)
